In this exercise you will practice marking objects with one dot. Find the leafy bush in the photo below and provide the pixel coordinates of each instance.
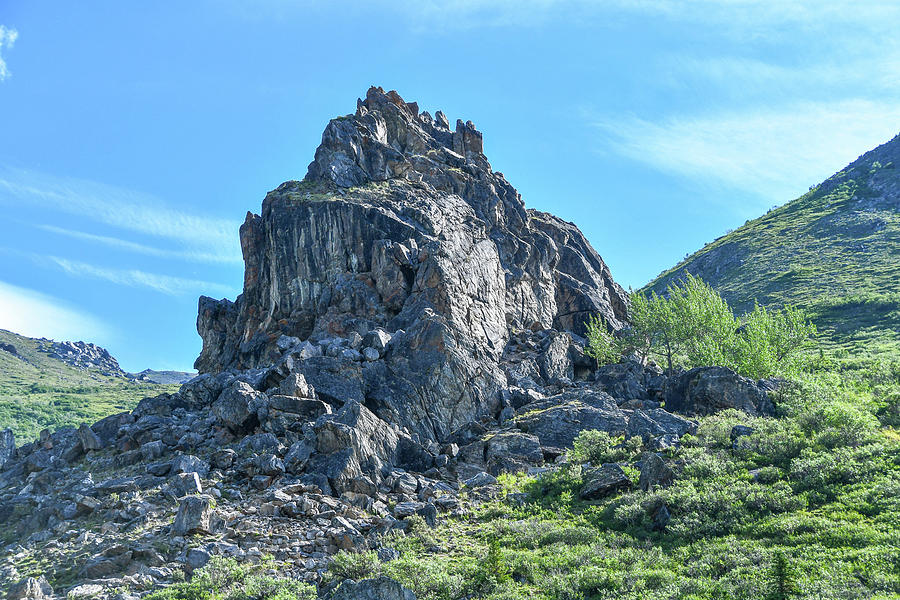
(692, 325)
(354, 565)
(597, 447)
(226, 579)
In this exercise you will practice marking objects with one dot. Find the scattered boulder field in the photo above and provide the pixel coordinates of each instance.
(407, 330)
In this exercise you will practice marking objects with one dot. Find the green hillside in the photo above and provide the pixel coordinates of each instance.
(38, 392)
(835, 251)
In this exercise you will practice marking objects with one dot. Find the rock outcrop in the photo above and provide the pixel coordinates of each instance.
(401, 225)
(84, 355)
(407, 331)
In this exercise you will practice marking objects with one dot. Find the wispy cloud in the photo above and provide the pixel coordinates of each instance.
(165, 284)
(191, 254)
(34, 314)
(7, 40)
(750, 19)
(201, 236)
(776, 152)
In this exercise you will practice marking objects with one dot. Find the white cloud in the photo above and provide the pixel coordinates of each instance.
(33, 314)
(194, 255)
(7, 40)
(777, 153)
(166, 284)
(124, 209)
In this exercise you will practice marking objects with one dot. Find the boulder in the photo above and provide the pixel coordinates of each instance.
(480, 480)
(382, 588)
(187, 463)
(194, 514)
(297, 456)
(707, 390)
(738, 432)
(295, 385)
(555, 361)
(508, 452)
(558, 420)
(187, 483)
(655, 423)
(300, 409)
(89, 440)
(654, 472)
(30, 588)
(660, 518)
(236, 407)
(603, 481)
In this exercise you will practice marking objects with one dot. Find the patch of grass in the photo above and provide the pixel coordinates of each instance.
(38, 392)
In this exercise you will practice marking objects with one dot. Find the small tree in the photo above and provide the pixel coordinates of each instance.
(784, 579)
(705, 325)
(601, 346)
(770, 341)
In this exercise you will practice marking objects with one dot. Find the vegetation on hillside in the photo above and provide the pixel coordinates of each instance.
(691, 325)
(226, 579)
(808, 506)
(38, 392)
(835, 251)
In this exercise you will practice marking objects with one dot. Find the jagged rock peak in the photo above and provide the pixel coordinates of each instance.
(402, 227)
(388, 138)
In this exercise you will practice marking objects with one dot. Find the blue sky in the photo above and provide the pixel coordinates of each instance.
(134, 136)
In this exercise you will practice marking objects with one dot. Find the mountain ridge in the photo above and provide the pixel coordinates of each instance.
(833, 250)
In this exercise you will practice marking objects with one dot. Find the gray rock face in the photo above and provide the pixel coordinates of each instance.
(402, 225)
(382, 588)
(706, 390)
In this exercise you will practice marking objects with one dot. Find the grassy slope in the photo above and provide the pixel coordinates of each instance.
(38, 392)
(834, 251)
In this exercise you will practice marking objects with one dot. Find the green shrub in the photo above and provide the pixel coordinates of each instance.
(692, 325)
(597, 447)
(354, 565)
(226, 579)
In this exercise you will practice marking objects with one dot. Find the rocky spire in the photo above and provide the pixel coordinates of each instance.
(402, 226)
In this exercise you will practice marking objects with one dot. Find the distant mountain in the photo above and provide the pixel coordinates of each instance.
(834, 250)
(164, 377)
(46, 384)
